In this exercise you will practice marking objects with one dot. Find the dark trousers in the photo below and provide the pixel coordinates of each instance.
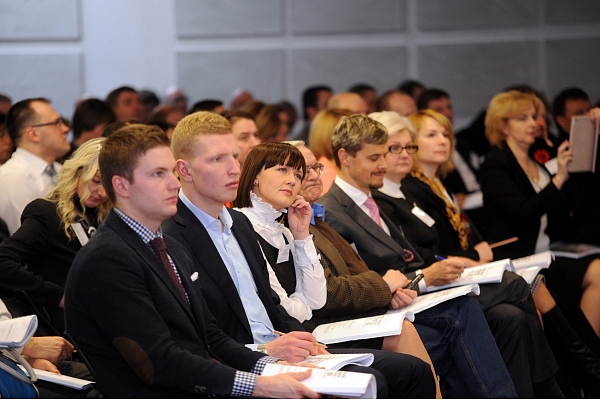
(398, 375)
(510, 312)
(463, 350)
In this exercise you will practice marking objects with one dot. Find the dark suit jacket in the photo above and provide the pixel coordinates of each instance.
(218, 288)
(138, 332)
(420, 193)
(379, 250)
(425, 238)
(513, 208)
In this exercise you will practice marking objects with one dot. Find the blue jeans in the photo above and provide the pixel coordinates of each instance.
(463, 351)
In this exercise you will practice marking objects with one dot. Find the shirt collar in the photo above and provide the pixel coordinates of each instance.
(34, 163)
(392, 189)
(318, 210)
(357, 195)
(143, 231)
(205, 219)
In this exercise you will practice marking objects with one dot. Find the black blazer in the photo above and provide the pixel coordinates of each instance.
(420, 193)
(379, 250)
(41, 244)
(421, 236)
(138, 332)
(513, 208)
(218, 288)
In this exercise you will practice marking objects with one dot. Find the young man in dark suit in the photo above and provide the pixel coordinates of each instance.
(133, 301)
(228, 258)
(359, 148)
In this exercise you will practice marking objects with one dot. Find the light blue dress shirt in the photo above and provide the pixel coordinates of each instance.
(239, 270)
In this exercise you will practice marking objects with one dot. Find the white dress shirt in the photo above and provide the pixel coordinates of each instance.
(359, 197)
(392, 189)
(22, 180)
(311, 287)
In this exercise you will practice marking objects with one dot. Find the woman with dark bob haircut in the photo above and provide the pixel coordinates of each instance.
(270, 185)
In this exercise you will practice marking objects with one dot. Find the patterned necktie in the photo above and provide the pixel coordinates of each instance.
(51, 172)
(373, 210)
(159, 247)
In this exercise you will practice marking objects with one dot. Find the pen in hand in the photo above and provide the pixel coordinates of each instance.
(319, 344)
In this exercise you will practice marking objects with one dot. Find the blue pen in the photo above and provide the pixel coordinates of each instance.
(440, 258)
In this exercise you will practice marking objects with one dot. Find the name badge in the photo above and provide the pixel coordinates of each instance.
(80, 233)
(284, 254)
(423, 216)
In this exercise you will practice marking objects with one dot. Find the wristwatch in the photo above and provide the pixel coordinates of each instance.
(262, 348)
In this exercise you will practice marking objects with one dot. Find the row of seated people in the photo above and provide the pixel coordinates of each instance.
(399, 301)
(321, 109)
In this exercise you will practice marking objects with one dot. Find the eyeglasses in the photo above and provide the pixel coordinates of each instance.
(58, 122)
(317, 167)
(397, 149)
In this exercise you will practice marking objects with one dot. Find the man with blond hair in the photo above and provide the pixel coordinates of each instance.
(133, 301)
(228, 258)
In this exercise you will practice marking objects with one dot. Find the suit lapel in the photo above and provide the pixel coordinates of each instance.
(209, 258)
(361, 218)
(133, 240)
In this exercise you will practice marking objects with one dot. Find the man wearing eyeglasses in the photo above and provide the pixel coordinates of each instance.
(40, 135)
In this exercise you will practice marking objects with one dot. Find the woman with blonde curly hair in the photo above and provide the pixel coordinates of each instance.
(38, 256)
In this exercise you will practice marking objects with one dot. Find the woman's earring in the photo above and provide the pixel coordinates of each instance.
(255, 182)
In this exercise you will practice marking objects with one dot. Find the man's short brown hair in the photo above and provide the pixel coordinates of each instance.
(352, 132)
(121, 151)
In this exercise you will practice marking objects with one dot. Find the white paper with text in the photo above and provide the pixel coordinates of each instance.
(362, 328)
(353, 385)
(337, 361)
(485, 273)
(16, 332)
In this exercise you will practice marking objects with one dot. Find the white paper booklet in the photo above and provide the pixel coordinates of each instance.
(528, 267)
(16, 332)
(541, 260)
(336, 361)
(63, 380)
(362, 328)
(353, 385)
(485, 273)
(425, 301)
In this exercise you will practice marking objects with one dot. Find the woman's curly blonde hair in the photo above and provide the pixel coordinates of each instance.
(83, 165)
